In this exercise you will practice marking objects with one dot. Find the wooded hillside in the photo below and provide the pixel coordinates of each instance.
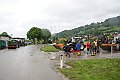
(109, 25)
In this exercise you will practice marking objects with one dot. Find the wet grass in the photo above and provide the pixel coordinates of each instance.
(93, 69)
(49, 48)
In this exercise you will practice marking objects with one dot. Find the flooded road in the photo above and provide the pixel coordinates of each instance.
(26, 63)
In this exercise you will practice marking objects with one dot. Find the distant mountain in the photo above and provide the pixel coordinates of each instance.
(109, 25)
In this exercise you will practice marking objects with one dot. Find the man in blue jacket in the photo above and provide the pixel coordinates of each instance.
(78, 47)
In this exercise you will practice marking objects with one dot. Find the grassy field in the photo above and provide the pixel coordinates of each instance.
(93, 69)
(49, 48)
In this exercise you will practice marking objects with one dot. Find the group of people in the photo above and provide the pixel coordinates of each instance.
(73, 47)
(93, 47)
(76, 48)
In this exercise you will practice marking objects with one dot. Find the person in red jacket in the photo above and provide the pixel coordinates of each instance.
(88, 47)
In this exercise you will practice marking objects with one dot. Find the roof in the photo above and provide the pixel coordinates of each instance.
(5, 35)
(18, 38)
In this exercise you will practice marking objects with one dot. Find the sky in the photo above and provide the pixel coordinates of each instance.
(18, 16)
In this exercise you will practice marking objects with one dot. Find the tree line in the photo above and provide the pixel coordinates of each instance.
(38, 34)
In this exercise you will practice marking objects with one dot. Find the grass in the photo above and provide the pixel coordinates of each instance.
(49, 48)
(93, 69)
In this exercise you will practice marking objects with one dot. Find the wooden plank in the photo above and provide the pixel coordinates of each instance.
(109, 45)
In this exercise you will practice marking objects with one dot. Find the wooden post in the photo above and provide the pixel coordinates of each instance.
(111, 50)
(61, 61)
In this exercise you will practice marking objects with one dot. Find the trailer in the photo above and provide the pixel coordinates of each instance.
(21, 41)
(115, 42)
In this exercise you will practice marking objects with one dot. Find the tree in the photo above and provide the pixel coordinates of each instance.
(54, 38)
(4, 34)
(46, 34)
(34, 33)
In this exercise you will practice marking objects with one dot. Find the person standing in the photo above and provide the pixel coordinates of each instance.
(96, 44)
(72, 52)
(67, 49)
(88, 47)
(92, 48)
(78, 47)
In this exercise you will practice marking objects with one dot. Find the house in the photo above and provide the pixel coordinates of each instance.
(4, 39)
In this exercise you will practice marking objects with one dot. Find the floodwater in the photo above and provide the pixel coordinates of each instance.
(26, 63)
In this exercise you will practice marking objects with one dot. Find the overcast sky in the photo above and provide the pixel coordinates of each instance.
(18, 16)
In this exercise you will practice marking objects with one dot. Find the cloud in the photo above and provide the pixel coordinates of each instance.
(55, 15)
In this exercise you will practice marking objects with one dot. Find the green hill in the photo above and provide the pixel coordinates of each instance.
(109, 25)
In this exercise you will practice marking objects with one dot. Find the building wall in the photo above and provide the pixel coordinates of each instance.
(4, 38)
